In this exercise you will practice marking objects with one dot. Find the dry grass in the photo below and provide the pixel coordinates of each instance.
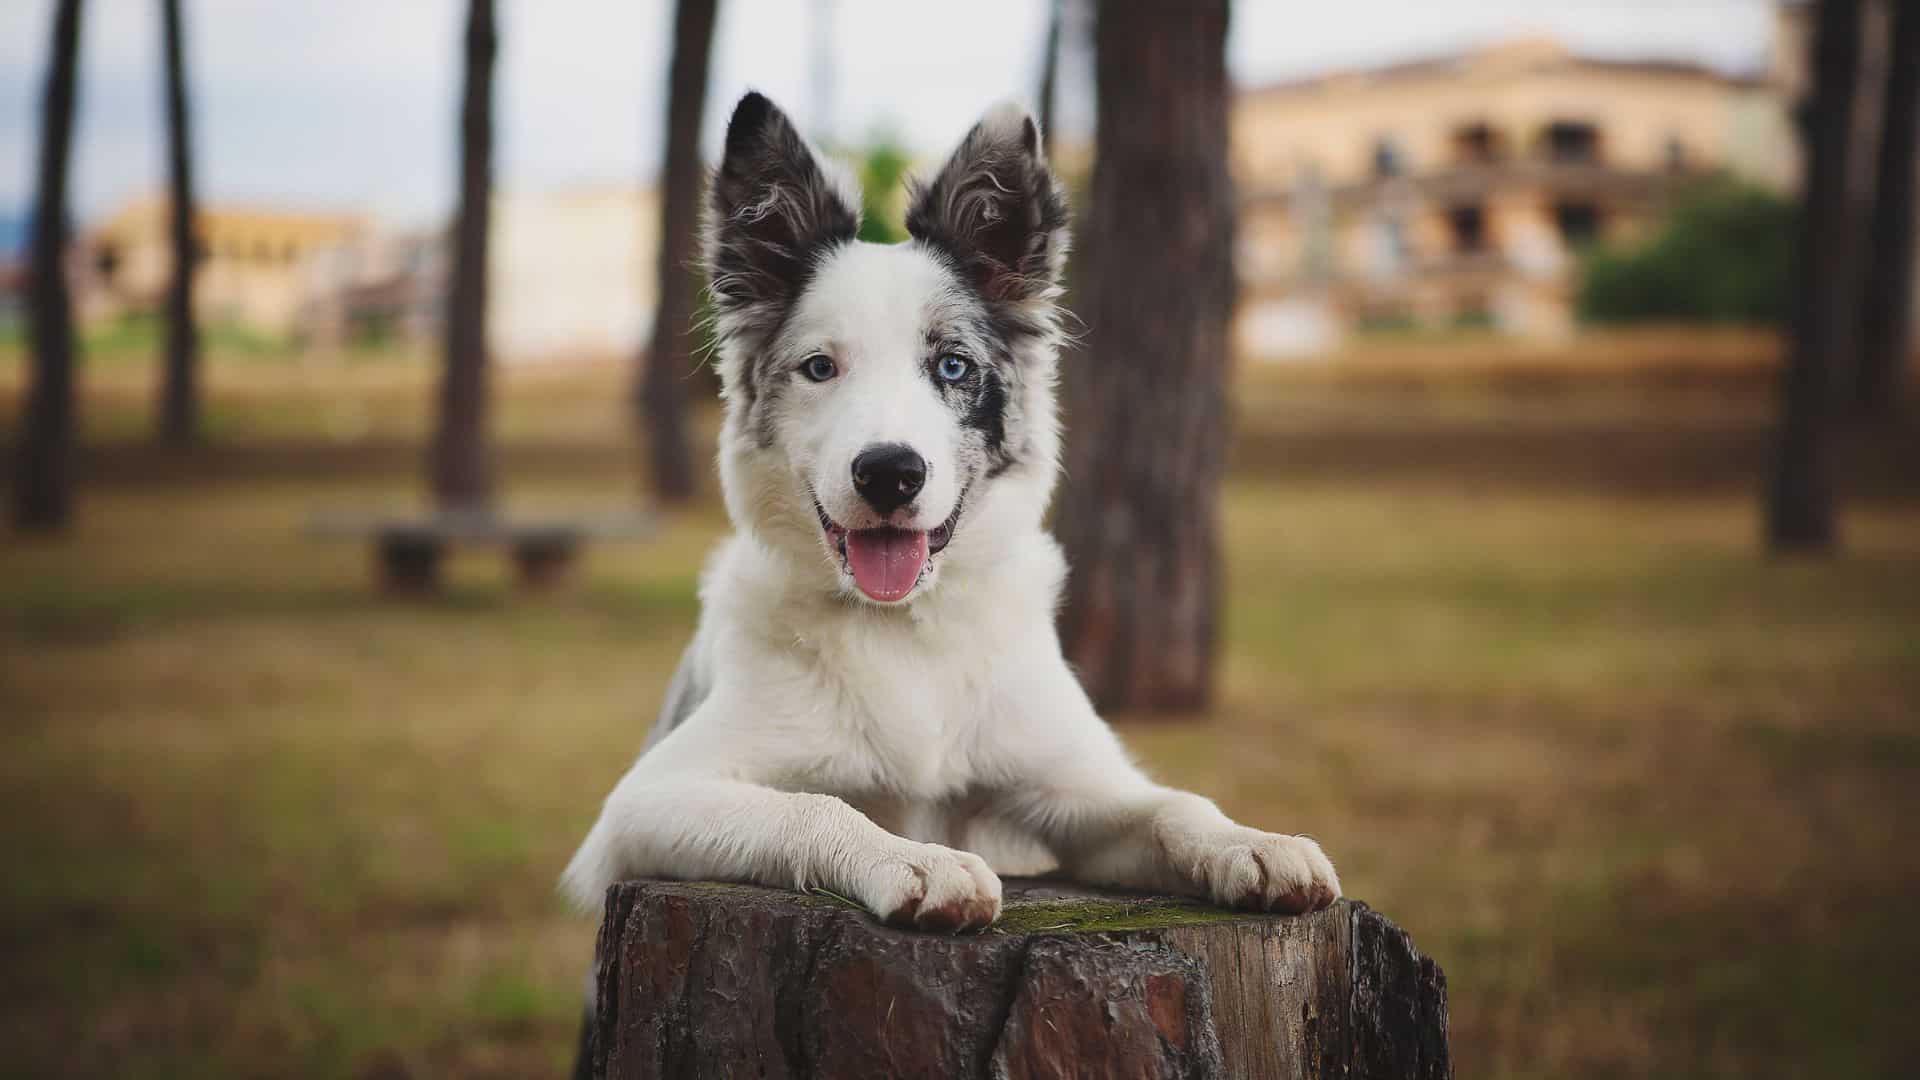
(1641, 792)
(1661, 356)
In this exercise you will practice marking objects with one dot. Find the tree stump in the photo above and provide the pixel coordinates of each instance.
(707, 980)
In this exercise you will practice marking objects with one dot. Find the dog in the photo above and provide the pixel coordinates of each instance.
(875, 702)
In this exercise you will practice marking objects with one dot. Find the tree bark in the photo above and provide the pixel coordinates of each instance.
(1887, 334)
(43, 489)
(1147, 418)
(710, 980)
(1800, 502)
(461, 465)
(179, 386)
(669, 360)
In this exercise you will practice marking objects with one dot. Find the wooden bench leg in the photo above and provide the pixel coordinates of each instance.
(410, 565)
(544, 564)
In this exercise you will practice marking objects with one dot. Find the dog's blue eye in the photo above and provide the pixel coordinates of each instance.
(952, 368)
(820, 367)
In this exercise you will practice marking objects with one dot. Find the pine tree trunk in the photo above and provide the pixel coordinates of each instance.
(704, 980)
(461, 467)
(179, 386)
(668, 365)
(1147, 417)
(1887, 336)
(43, 489)
(1800, 503)
(1050, 74)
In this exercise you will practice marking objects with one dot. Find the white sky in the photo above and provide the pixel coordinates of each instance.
(352, 103)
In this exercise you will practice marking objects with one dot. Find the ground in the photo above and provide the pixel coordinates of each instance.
(1504, 643)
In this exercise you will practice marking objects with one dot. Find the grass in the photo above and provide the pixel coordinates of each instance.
(1644, 794)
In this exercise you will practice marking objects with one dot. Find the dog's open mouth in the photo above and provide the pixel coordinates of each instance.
(887, 562)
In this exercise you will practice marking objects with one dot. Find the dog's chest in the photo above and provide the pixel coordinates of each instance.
(916, 736)
(910, 721)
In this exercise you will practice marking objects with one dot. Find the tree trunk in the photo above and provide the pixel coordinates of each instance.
(702, 980)
(669, 361)
(43, 490)
(1800, 504)
(1886, 338)
(1147, 418)
(179, 389)
(1050, 75)
(462, 470)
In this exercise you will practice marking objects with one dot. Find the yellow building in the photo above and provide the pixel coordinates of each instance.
(252, 270)
(1457, 190)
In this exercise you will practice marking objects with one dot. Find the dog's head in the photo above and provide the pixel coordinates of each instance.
(889, 408)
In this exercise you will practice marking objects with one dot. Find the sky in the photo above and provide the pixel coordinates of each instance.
(352, 104)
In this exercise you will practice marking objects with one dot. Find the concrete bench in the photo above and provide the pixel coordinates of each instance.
(409, 550)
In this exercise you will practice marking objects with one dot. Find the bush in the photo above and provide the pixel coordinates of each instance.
(883, 166)
(1723, 255)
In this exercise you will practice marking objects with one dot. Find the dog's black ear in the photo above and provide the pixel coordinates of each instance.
(774, 207)
(997, 210)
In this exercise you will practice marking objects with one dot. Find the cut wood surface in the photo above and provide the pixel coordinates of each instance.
(710, 980)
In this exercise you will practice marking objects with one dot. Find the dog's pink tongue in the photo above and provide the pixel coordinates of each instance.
(886, 562)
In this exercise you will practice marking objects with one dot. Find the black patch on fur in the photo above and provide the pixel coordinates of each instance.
(986, 398)
(988, 415)
(773, 214)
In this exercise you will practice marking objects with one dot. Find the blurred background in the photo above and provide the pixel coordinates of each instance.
(1529, 385)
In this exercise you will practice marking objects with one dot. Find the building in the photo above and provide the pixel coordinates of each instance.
(570, 274)
(382, 287)
(253, 267)
(1458, 190)
(573, 273)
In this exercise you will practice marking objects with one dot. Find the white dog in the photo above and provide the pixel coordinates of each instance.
(876, 702)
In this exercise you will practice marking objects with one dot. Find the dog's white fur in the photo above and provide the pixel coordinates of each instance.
(902, 754)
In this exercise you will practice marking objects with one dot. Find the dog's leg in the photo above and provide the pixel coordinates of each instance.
(1107, 823)
(1157, 838)
(717, 828)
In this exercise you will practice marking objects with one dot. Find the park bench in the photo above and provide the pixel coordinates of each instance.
(409, 549)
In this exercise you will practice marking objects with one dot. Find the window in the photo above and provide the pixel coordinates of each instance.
(1676, 153)
(1578, 222)
(1572, 142)
(1477, 144)
(1468, 224)
(1399, 246)
(1392, 238)
(1388, 160)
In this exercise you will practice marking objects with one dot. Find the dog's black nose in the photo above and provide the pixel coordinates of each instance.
(889, 476)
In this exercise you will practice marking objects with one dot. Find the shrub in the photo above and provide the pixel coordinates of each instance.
(1723, 255)
(883, 166)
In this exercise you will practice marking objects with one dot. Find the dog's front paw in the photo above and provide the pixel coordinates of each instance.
(929, 887)
(1260, 871)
